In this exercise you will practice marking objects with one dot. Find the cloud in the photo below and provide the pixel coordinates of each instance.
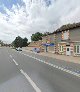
(37, 16)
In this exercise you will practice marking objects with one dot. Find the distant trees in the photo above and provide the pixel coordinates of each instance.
(1, 42)
(25, 42)
(46, 33)
(37, 36)
(20, 42)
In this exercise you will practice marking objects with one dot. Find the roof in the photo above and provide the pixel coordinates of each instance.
(65, 27)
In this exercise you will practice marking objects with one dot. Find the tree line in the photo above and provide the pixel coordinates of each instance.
(38, 36)
(20, 42)
(23, 42)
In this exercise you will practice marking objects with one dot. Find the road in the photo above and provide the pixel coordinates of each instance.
(27, 72)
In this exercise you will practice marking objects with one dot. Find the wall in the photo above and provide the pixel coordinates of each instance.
(35, 43)
(57, 40)
(75, 34)
(49, 39)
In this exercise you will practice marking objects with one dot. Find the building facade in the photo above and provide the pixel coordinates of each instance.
(68, 42)
(36, 44)
(65, 40)
(49, 39)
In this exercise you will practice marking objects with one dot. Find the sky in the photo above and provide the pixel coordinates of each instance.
(25, 17)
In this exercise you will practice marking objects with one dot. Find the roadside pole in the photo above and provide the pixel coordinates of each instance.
(46, 48)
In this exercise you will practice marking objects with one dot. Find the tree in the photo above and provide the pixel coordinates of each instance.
(37, 36)
(46, 33)
(1, 42)
(25, 42)
(18, 42)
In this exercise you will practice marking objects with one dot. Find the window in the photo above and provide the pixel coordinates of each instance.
(77, 49)
(67, 49)
(61, 48)
(65, 35)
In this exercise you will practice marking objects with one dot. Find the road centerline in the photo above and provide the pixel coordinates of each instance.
(15, 62)
(27, 77)
(30, 81)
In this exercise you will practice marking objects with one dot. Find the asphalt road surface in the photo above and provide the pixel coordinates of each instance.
(27, 72)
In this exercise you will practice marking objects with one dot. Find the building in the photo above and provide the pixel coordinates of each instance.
(49, 41)
(64, 41)
(36, 44)
(68, 40)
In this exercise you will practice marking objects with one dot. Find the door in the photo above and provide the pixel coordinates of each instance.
(68, 51)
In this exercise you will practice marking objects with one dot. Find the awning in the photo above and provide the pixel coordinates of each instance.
(48, 44)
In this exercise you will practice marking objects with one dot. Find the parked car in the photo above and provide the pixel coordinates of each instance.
(36, 50)
(18, 49)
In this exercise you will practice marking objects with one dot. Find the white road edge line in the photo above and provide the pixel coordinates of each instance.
(55, 66)
(15, 62)
(30, 81)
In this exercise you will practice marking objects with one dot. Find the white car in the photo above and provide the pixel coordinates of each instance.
(18, 49)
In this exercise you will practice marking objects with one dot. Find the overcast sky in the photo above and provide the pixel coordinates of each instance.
(25, 17)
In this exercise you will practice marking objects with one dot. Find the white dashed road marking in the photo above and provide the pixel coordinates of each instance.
(55, 66)
(15, 62)
(27, 77)
(30, 81)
